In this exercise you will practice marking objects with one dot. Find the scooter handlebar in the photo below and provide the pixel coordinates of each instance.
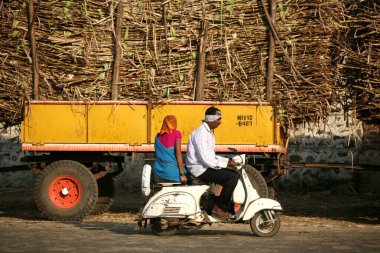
(239, 160)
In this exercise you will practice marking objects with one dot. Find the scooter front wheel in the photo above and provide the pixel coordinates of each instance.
(265, 223)
(162, 227)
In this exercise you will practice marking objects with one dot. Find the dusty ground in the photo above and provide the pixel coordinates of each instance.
(327, 209)
(316, 209)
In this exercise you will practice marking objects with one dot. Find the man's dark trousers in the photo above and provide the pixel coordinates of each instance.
(226, 178)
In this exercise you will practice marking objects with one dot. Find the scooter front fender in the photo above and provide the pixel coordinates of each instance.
(259, 205)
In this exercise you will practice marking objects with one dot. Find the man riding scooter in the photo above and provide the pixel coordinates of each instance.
(203, 163)
(178, 206)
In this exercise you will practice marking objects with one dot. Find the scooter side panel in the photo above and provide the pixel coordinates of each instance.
(181, 201)
(259, 205)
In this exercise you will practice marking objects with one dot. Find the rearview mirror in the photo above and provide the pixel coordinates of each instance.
(234, 150)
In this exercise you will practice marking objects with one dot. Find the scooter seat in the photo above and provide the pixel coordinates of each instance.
(168, 184)
(161, 182)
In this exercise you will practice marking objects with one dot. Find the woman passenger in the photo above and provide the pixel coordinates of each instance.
(169, 164)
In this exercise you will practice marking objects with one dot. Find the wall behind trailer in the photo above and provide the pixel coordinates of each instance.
(338, 139)
(11, 157)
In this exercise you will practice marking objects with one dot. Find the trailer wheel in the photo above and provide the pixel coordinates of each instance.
(257, 180)
(66, 191)
(106, 194)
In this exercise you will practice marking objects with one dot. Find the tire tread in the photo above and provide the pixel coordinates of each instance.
(52, 168)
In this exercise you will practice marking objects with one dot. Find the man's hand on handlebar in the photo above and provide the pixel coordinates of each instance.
(232, 164)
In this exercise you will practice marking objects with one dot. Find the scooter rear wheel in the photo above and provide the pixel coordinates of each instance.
(264, 227)
(161, 227)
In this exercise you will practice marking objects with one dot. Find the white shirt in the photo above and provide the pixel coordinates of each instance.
(200, 153)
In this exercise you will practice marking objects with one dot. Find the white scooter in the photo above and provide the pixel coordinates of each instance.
(178, 206)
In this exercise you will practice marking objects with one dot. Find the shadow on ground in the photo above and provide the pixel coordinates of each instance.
(131, 229)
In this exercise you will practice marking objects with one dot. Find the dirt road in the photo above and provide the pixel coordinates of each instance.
(313, 222)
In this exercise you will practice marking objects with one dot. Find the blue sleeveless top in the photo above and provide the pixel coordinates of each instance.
(166, 165)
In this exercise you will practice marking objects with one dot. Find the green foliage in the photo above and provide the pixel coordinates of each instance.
(106, 67)
(181, 76)
(66, 11)
(165, 92)
(282, 11)
(15, 33)
(15, 23)
(126, 34)
(281, 112)
(140, 5)
(172, 31)
(194, 55)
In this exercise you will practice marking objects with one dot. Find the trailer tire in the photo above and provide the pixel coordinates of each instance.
(65, 191)
(271, 190)
(106, 195)
(257, 180)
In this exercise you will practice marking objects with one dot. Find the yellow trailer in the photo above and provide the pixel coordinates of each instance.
(73, 144)
(132, 126)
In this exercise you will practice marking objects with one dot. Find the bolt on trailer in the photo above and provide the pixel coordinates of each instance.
(78, 147)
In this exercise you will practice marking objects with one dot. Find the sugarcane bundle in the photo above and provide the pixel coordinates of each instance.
(15, 60)
(160, 45)
(360, 58)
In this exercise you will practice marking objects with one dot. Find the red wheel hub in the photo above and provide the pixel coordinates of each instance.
(65, 191)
